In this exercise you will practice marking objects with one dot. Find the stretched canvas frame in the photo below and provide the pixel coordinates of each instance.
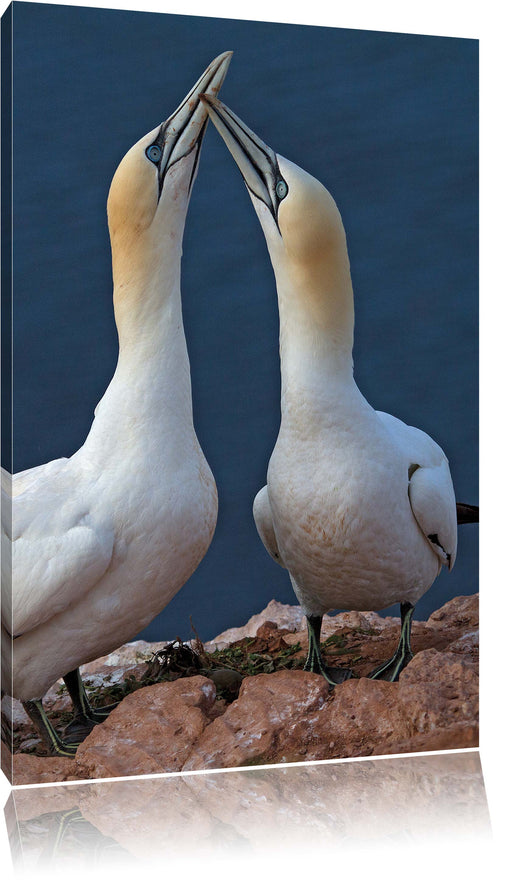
(452, 415)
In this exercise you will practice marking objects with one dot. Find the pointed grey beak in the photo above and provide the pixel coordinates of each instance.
(184, 129)
(256, 161)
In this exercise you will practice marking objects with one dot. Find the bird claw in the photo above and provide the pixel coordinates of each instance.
(79, 728)
(338, 675)
(100, 714)
(333, 676)
(390, 671)
(62, 749)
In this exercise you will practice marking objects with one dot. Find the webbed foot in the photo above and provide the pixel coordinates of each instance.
(338, 675)
(79, 728)
(98, 715)
(314, 662)
(390, 670)
(57, 747)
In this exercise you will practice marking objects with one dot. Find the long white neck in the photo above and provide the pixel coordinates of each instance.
(316, 311)
(151, 385)
(147, 308)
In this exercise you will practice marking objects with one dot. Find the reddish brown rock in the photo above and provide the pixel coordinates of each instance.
(438, 691)
(288, 616)
(271, 710)
(290, 716)
(467, 645)
(151, 731)
(460, 613)
(456, 736)
(28, 769)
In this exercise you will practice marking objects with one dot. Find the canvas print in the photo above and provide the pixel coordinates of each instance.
(239, 488)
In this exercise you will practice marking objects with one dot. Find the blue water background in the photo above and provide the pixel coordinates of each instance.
(388, 122)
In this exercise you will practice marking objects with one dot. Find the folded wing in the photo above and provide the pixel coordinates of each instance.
(57, 550)
(433, 504)
(264, 525)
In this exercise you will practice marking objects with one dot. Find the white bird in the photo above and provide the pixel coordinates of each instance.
(102, 541)
(358, 507)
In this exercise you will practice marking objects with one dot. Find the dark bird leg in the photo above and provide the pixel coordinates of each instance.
(390, 670)
(37, 714)
(86, 717)
(314, 661)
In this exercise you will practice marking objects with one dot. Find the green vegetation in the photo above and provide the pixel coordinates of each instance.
(244, 658)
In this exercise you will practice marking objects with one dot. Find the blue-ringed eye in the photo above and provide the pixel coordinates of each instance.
(281, 189)
(154, 152)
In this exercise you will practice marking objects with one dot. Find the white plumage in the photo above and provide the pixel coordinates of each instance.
(102, 541)
(358, 506)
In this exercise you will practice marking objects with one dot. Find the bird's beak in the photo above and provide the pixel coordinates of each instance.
(256, 161)
(184, 129)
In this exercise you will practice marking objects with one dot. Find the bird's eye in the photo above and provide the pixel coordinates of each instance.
(154, 152)
(281, 189)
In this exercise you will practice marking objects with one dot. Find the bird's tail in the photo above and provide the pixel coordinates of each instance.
(467, 514)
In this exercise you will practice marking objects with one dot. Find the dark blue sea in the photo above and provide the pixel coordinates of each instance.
(387, 121)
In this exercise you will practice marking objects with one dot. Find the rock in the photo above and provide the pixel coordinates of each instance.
(460, 612)
(151, 730)
(31, 742)
(468, 644)
(128, 654)
(227, 679)
(29, 769)
(355, 619)
(456, 736)
(453, 627)
(290, 716)
(57, 698)
(111, 669)
(286, 616)
(13, 712)
(109, 675)
(271, 710)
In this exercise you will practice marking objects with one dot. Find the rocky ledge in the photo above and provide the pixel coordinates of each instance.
(243, 700)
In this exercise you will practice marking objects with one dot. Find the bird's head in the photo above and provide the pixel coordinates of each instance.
(301, 222)
(150, 191)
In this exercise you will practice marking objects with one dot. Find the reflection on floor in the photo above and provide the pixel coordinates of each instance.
(335, 805)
